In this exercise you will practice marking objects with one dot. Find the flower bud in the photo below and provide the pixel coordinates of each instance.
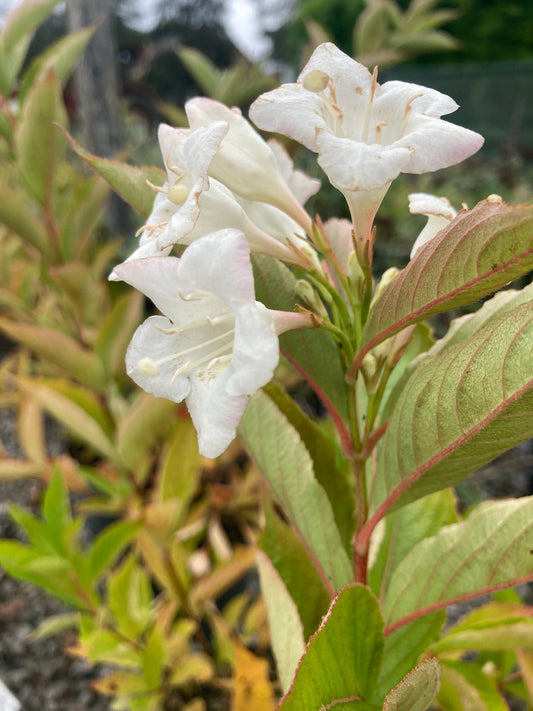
(310, 297)
(387, 277)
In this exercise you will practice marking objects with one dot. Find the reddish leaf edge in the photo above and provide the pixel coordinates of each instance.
(344, 435)
(325, 619)
(422, 312)
(453, 600)
(363, 538)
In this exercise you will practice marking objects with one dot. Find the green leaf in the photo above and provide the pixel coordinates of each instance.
(59, 349)
(127, 180)
(37, 531)
(343, 658)
(74, 416)
(154, 658)
(56, 508)
(481, 251)
(417, 690)
(204, 72)
(312, 351)
(458, 411)
(327, 462)
(55, 625)
(38, 142)
(147, 421)
(17, 213)
(282, 457)
(22, 562)
(421, 341)
(405, 528)
(78, 219)
(467, 686)
(444, 569)
(61, 57)
(181, 466)
(116, 330)
(404, 647)
(286, 629)
(288, 555)
(109, 544)
(495, 626)
(16, 35)
(468, 325)
(130, 598)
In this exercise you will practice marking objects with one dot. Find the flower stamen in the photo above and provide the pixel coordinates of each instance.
(197, 296)
(151, 228)
(208, 358)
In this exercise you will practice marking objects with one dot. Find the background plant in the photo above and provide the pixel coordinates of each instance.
(180, 520)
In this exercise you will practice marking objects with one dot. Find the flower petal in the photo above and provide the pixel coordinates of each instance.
(255, 350)
(352, 165)
(215, 413)
(219, 263)
(292, 111)
(156, 278)
(190, 151)
(149, 342)
(437, 144)
(301, 184)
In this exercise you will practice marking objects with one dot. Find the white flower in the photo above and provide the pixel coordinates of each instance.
(187, 155)
(215, 344)
(365, 134)
(439, 212)
(301, 184)
(191, 204)
(244, 162)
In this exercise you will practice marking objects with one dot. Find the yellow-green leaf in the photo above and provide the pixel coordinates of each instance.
(59, 349)
(38, 142)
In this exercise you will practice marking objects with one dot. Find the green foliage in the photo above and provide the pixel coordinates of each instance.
(343, 658)
(360, 494)
(236, 86)
(282, 457)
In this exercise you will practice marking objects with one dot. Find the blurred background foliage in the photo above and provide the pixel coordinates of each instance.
(157, 557)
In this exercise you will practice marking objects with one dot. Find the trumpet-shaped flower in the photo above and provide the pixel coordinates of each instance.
(365, 134)
(301, 184)
(438, 211)
(190, 204)
(187, 155)
(215, 344)
(244, 161)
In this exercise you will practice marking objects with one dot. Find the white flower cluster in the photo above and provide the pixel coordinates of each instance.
(228, 192)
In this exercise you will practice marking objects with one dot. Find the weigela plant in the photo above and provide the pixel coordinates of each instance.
(370, 549)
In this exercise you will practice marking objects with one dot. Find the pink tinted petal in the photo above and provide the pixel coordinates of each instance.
(150, 342)
(437, 144)
(215, 413)
(339, 234)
